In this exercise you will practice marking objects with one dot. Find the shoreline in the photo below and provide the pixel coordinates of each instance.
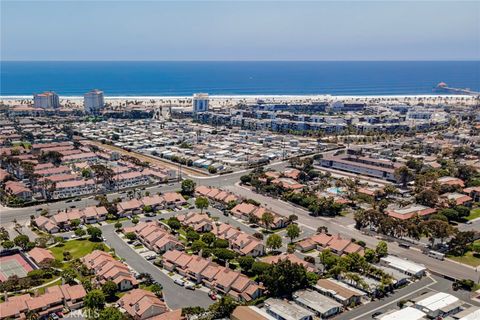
(257, 96)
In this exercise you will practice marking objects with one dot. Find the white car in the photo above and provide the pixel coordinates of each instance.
(180, 282)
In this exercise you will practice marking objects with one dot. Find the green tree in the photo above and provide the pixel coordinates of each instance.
(267, 219)
(198, 245)
(403, 175)
(174, 223)
(21, 241)
(80, 232)
(208, 238)
(131, 236)
(246, 263)
(118, 225)
(188, 187)
(381, 249)
(111, 313)
(293, 231)
(201, 203)
(94, 233)
(7, 244)
(109, 289)
(69, 275)
(284, 278)
(223, 308)
(192, 235)
(95, 300)
(157, 289)
(224, 254)
(274, 242)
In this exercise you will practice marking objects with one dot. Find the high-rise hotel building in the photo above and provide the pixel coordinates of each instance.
(47, 100)
(93, 101)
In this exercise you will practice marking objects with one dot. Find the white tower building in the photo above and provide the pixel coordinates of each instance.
(93, 101)
(47, 100)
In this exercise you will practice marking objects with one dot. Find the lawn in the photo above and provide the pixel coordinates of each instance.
(77, 248)
(474, 214)
(468, 258)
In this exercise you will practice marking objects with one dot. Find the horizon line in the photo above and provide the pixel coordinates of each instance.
(246, 60)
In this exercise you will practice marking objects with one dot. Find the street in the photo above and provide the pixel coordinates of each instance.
(175, 296)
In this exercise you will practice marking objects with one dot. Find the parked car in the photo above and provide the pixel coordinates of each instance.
(212, 295)
(180, 282)
(190, 286)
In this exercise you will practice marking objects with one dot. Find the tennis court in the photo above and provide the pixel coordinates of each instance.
(13, 265)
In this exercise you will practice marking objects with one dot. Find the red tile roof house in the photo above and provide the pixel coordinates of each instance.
(105, 268)
(156, 202)
(55, 299)
(156, 238)
(44, 223)
(222, 279)
(291, 173)
(52, 171)
(141, 304)
(80, 157)
(335, 243)
(174, 200)
(457, 198)
(88, 215)
(131, 179)
(19, 190)
(292, 257)
(130, 207)
(451, 181)
(410, 211)
(199, 222)
(473, 192)
(239, 241)
(216, 194)
(40, 255)
(244, 210)
(74, 188)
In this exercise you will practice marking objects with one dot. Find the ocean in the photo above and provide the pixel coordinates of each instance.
(183, 78)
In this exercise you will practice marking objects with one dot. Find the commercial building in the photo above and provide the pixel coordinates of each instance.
(377, 168)
(403, 265)
(438, 304)
(200, 102)
(93, 101)
(47, 100)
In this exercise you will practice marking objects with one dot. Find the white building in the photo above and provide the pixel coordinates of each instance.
(47, 100)
(438, 304)
(409, 313)
(200, 102)
(93, 101)
(405, 266)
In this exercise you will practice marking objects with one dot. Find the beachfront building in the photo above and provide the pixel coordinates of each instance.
(200, 102)
(93, 101)
(47, 100)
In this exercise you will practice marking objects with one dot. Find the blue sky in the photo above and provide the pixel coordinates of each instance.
(240, 30)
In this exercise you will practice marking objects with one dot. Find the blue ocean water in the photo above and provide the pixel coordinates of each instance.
(154, 78)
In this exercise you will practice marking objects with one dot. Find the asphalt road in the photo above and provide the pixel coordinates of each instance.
(345, 226)
(175, 296)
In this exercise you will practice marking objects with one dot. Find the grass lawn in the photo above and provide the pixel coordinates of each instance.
(138, 246)
(468, 258)
(77, 248)
(475, 213)
(55, 283)
(116, 220)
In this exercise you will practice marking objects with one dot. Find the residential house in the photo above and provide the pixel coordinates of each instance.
(106, 268)
(40, 255)
(55, 299)
(141, 305)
